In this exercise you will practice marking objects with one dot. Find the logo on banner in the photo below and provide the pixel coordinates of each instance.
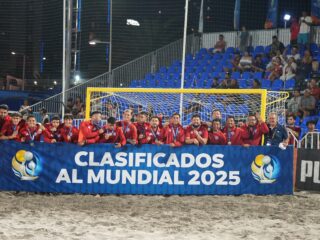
(265, 168)
(26, 165)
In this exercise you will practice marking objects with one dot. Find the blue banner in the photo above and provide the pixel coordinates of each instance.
(315, 11)
(272, 14)
(236, 16)
(145, 169)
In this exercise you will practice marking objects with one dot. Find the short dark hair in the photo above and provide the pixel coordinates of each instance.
(216, 110)
(4, 106)
(30, 116)
(43, 110)
(16, 114)
(143, 113)
(111, 120)
(196, 115)
(155, 117)
(274, 37)
(95, 112)
(68, 116)
(175, 114)
(228, 117)
(291, 115)
(216, 120)
(311, 122)
(55, 117)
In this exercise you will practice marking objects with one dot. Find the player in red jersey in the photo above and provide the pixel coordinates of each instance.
(113, 134)
(155, 134)
(128, 128)
(174, 132)
(4, 114)
(216, 137)
(196, 133)
(293, 129)
(31, 132)
(11, 128)
(51, 133)
(233, 133)
(68, 132)
(143, 127)
(90, 130)
(254, 129)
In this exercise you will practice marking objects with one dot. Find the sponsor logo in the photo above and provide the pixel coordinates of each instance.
(26, 165)
(265, 168)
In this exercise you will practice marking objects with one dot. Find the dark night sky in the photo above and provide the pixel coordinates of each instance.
(23, 21)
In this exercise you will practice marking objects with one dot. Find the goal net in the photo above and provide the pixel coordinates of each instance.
(231, 102)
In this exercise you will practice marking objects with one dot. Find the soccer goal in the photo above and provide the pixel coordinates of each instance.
(231, 102)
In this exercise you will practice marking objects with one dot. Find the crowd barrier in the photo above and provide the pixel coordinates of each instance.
(145, 169)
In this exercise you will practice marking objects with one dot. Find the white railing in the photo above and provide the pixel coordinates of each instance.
(311, 140)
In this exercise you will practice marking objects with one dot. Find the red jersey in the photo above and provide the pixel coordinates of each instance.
(174, 135)
(234, 135)
(8, 128)
(27, 134)
(296, 129)
(115, 136)
(254, 134)
(4, 120)
(69, 134)
(155, 134)
(190, 132)
(217, 138)
(294, 29)
(49, 135)
(142, 129)
(89, 132)
(129, 130)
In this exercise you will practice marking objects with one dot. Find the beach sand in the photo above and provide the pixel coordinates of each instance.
(48, 216)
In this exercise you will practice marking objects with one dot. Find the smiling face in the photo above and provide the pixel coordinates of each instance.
(252, 121)
(230, 122)
(175, 119)
(142, 118)
(196, 122)
(68, 122)
(290, 121)
(16, 120)
(272, 118)
(127, 115)
(154, 122)
(3, 113)
(31, 122)
(216, 126)
(55, 123)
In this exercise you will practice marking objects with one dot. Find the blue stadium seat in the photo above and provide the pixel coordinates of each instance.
(242, 83)
(246, 75)
(265, 84)
(257, 75)
(290, 84)
(277, 85)
(259, 50)
(267, 49)
(236, 75)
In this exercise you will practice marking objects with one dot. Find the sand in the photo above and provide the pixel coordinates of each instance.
(47, 216)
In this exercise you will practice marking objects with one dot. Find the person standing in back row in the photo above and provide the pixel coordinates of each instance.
(304, 33)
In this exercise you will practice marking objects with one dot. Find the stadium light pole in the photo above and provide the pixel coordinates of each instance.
(184, 53)
(64, 56)
(23, 66)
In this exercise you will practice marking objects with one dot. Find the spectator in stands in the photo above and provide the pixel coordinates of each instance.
(294, 53)
(215, 83)
(254, 129)
(304, 69)
(143, 127)
(293, 129)
(307, 103)
(275, 69)
(156, 131)
(315, 69)
(216, 114)
(31, 132)
(25, 109)
(245, 63)
(82, 113)
(113, 134)
(276, 45)
(294, 31)
(51, 131)
(128, 128)
(44, 116)
(311, 140)
(289, 69)
(227, 82)
(10, 128)
(216, 136)
(69, 105)
(77, 105)
(220, 45)
(256, 84)
(90, 130)
(244, 39)
(277, 133)
(305, 22)
(294, 102)
(68, 132)
(196, 133)
(235, 62)
(234, 134)
(174, 134)
(258, 65)
(4, 114)
(314, 89)
(110, 110)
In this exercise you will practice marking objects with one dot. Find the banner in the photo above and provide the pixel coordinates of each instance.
(272, 18)
(315, 11)
(236, 16)
(145, 169)
(308, 169)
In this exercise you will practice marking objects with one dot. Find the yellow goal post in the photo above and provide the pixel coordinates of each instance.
(236, 102)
